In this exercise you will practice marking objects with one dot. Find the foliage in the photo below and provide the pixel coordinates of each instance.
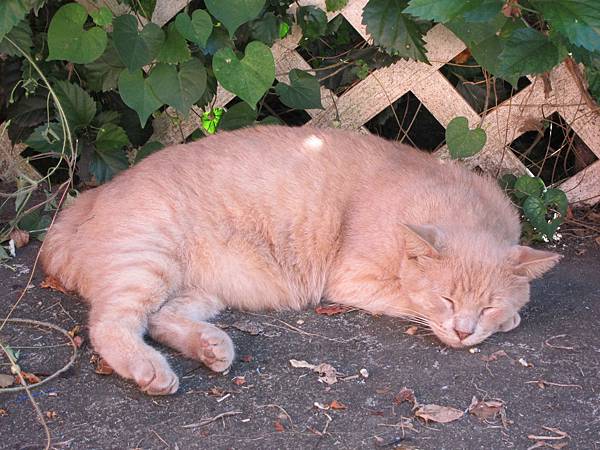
(85, 85)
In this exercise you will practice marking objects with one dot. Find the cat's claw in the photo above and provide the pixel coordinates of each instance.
(215, 349)
(155, 379)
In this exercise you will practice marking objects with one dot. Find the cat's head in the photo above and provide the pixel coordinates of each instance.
(468, 287)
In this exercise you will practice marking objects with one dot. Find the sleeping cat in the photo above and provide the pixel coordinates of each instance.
(276, 218)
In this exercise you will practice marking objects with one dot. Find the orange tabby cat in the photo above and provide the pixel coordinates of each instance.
(275, 218)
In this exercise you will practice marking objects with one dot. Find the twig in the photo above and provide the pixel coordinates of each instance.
(212, 419)
(560, 435)
(550, 383)
(558, 336)
(161, 439)
(272, 405)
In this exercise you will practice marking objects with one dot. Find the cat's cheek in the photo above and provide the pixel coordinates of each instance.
(511, 323)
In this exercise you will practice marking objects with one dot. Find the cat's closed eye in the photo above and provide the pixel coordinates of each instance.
(489, 310)
(449, 302)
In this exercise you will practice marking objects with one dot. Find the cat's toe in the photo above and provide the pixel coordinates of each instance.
(155, 377)
(216, 350)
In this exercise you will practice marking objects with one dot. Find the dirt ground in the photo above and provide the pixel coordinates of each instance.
(543, 374)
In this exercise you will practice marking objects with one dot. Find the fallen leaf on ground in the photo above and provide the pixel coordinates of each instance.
(239, 381)
(437, 413)
(3, 412)
(337, 405)
(6, 380)
(247, 358)
(327, 373)
(412, 330)
(216, 392)
(51, 415)
(331, 310)
(278, 426)
(248, 326)
(494, 356)
(30, 378)
(74, 331)
(20, 237)
(485, 410)
(101, 367)
(53, 283)
(405, 395)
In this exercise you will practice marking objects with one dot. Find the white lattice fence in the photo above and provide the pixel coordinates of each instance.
(355, 107)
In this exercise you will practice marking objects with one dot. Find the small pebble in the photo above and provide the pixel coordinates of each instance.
(474, 350)
(300, 322)
(364, 373)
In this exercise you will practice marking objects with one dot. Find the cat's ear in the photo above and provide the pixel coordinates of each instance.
(531, 263)
(421, 240)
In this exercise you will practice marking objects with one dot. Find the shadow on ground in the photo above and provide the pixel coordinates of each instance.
(556, 384)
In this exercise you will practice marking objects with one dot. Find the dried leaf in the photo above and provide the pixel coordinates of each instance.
(511, 9)
(53, 283)
(302, 364)
(531, 124)
(331, 310)
(74, 331)
(327, 373)
(30, 378)
(3, 412)
(20, 237)
(437, 413)
(405, 395)
(494, 356)
(248, 326)
(51, 415)
(337, 405)
(102, 367)
(412, 330)
(485, 410)
(6, 380)
(216, 392)
(462, 57)
(239, 381)
(278, 426)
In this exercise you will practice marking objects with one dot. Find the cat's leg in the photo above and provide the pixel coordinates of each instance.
(116, 332)
(180, 324)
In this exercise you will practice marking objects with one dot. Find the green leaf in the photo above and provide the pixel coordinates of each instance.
(303, 92)
(105, 164)
(69, 41)
(312, 21)
(211, 119)
(197, 29)
(20, 35)
(234, 13)
(284, 29)
(265, 29)
(3, 254)
(175, 49)
(239, 115)
(463, 142)
(147, 150)
(507, 182)
(335, 5)
(557, 199)
(179, 89)
(439, 11)
(578, 20)
(393, 30)
(135, 48)
(102, 16)
(12, 12)
(79, 106)
(111, 137)
(483, 10)
(103, 74)
(136, 93)
(46, 138)
(528, 51)
(249, 78)
(529, 186)
(547, 213)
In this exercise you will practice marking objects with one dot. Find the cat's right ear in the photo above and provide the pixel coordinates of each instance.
(531, 263)
(421, 240)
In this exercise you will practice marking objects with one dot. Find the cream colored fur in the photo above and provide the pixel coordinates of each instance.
(275, 218)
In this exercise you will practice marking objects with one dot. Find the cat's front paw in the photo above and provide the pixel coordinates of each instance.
(154, 377)
(215, 349)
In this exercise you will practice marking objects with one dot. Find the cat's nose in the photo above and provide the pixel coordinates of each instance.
(462, 335)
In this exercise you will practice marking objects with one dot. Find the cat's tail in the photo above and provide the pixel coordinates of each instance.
(61, 246)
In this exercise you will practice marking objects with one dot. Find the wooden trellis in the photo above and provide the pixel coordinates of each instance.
(354, 108)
